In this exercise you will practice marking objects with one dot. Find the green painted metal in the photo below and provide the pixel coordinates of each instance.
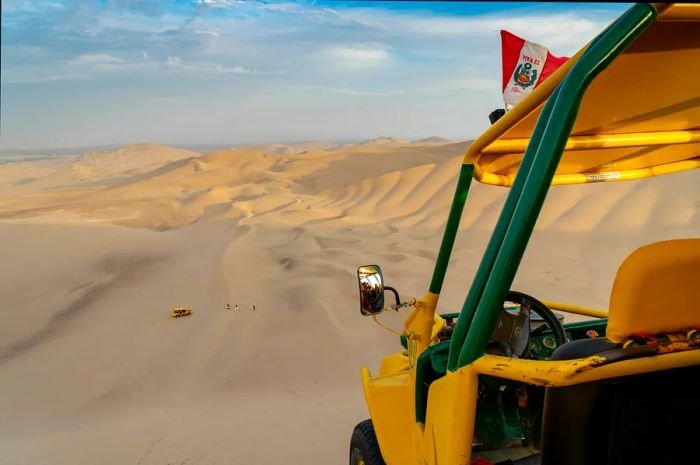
(499, 420)
(553, 129)
(494, 245)
(466, 174)
(450, 315)
(429, 367)
(467, 313)
(486, 265)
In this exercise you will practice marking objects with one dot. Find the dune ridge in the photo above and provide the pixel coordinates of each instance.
(364, 184)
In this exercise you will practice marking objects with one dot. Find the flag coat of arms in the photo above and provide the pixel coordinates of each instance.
(525, 65)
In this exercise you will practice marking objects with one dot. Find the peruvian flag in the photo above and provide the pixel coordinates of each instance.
(525, 65)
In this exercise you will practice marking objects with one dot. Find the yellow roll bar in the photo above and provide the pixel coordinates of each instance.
(578, 310)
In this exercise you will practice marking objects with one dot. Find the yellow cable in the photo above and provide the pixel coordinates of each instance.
(374, 317)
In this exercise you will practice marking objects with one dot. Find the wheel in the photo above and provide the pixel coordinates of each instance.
(512, 334)
(550, 319)
(364, 448)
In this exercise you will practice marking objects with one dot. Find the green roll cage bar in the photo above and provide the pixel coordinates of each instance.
(522, 207)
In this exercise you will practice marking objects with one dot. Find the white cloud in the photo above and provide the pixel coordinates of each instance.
(235, 70)
(467, 83)
(24, 6)
(23, 78)
(98, 58)
(93, 66)
(358, 55)
(305, 60)
(206, 32)
(107, 23)
(567, 31)
(219, 3)
(282, 7)
(367, 93)
(436, 87)
(177, 62)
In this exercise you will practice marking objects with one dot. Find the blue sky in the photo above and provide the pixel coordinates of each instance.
(79, 73)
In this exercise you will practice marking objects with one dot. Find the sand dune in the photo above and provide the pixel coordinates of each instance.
(383, 141)
(294, 148)
(126, 161)
(433, 141)
(98, 248)
(103, 168)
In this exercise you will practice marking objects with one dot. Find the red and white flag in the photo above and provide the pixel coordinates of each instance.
(525, 65)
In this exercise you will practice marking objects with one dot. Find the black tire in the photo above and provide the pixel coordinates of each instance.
(364, 448)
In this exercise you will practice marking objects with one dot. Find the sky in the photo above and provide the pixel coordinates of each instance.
(82, 73)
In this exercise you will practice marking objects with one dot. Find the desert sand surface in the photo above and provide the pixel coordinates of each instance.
(96, 250)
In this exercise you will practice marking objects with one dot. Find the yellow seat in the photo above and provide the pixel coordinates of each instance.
(656, 290)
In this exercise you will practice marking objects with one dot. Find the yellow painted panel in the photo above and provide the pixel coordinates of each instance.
(391, 404)
(681, 12)
(394, 363)
(570, 372)
(449, 424)
(640, 115)
(419, 325)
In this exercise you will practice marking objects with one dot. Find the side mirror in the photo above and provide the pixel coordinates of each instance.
(371, 289)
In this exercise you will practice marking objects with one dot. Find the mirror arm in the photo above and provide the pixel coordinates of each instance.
(396, 294)
(409, 303)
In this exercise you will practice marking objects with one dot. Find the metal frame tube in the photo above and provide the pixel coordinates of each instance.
(541, 160)
(467, 313)
(466, 174)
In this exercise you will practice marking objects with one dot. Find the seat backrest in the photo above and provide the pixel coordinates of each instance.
(656, 290)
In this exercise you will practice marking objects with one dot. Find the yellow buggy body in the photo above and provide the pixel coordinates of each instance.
(625, 107)
(179, 312)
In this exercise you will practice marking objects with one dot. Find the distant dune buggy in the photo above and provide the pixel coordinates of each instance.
(180, 312)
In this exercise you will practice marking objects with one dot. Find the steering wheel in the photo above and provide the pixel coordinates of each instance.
(512, 334)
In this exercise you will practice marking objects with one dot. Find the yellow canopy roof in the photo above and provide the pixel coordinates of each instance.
(640, 117)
